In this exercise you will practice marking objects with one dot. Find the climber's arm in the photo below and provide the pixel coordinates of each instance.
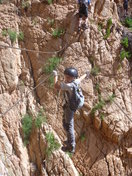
(60, 85)
(56, 82)
(86, 75)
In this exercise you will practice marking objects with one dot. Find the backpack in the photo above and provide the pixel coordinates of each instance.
(84, 2)
(76, 100)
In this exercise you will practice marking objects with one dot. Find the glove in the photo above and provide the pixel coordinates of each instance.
(87, 74)
(55, 73)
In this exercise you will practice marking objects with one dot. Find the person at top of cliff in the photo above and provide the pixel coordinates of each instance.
(83, 13)
(125, 6)
(73, 100)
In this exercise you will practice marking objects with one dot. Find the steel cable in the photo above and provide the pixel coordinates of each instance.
(1, 115)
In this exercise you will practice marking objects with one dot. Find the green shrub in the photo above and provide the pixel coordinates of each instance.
(51, 64)
(111, 98)
(51, 22)
(95, 70)
(50, 1)
(41, 118)
(20, 36)
(83, 137)
(12, 35)
(53, 144)
(98, 106)
(4, 32)
(128, 22)
(124, 42)
(124, 54)
(102, 116)
(25, 4)
(101, 103)
(57, 32)
(107, 34)
(91, 60)
(51, 81)
(97, 88)
(100, 26)
(1, 1)
(109, 24)
(27, 123)
(99, 97)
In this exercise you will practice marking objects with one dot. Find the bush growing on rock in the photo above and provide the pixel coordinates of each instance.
(95, 70)
(128, 22)
(27, 123)
(40, 119)
(124, 42)
(124, 54)
(13, 35)
(52, 145)
(25, 4)
(50, 1)
(109, 24)
(51, 64)
(57, 32)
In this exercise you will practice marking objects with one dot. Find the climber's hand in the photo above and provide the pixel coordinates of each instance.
(55, 73)
(87, 74)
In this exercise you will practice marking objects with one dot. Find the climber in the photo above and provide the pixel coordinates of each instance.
(83, 13)
(125, 6)
(69, 87)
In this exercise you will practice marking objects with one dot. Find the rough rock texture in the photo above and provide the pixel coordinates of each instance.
(104, 145)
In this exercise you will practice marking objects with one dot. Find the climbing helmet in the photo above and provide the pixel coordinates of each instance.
(71, 72)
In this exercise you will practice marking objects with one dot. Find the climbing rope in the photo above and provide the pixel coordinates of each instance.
(15, 104)
(31, 50)
(50, 52)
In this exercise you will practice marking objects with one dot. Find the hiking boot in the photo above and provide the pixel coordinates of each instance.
(70, 149)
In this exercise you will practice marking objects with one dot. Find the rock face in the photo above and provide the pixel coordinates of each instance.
(103, 127)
